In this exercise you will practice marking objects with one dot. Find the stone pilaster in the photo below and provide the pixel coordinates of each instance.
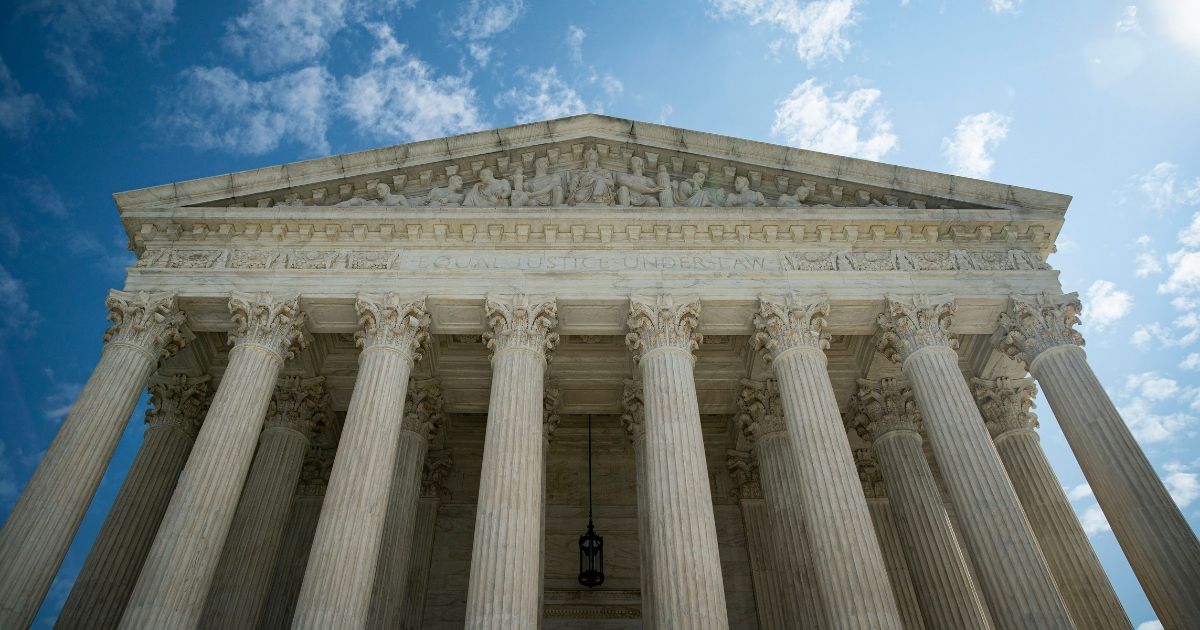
(1016, 583)
(633, 418)
(1153, 533)
(886, 413)
(238, 598)
(1005, 405)
(506, 555)
(175, 579)
(851, 575)
(300, 529)
(772, 592)
(437, 466)
(146, 327)
(177, 406)
(761, 419)
(686, 566)
(346, 547)
(423, 417)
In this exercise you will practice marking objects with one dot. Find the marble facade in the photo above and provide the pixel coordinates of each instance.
(807, 375)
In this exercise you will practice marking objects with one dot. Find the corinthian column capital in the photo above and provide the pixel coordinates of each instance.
(298, 404)
(633, 416)
(662, 321)
(520, 323)
(1033, 324)
(179, 401)
(790, 323)
(908, 325)
(260, 319)
(150, 322)
(743, 467)
(1005, 404)
(866, 463)
(433, 475)
(424, 408)
(389, 321)
(887, 405)
(760, 409)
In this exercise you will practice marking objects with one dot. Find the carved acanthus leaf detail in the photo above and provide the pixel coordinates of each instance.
(909, 325)
(885, 406)
(663, 321)
(424, 408)
(437, 466)
(521, 323)
(314, 472)
(1034, 324)
(389, 321)
(1005, 404)
(633, 410)
(260, 319)
(299, 404)
(551, 405)
(791, 323)
(148, 321)
(179, 401)
(760, 409)
(868, 466)
(743, 467)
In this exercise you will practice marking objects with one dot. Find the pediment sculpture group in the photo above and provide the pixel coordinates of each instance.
(591, 185)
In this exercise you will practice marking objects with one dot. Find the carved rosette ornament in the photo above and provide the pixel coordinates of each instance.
(423, 408)
(793, 323)
(179, 401)
(760, 409)
(521, 324)
(908, 325)
(743, 467)
(1035, 324)
(888, 406)
(633, 416)
(437, 466)
(1005, 404)
(662, 322)
(551, 405)
(259, 319)
(299, 404)
(149, 322)
(389, 321)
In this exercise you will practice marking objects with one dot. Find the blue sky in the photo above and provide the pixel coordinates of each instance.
(1091, 98)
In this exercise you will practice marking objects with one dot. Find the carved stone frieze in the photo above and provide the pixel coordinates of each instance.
(148, 321)
(885, 406)
(521, 323)
(263, 320)
(743, 467)
(790, 323)
(911, 324)
(663, 321)
(389, 321)
(299, 404)
(760, 409)
(1034, 324)
(424, 408)
(1006, 404)
(633, 410)
(179, 401)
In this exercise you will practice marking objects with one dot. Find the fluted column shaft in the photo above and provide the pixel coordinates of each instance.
(44, 520)
(238, 597)
(506, 555)
(897, 566)
(1152, 531)
(175, 579)
(771, 590)
(413, 609)
(345, 552)
(391, 575)
(108, 575)
(633, 419)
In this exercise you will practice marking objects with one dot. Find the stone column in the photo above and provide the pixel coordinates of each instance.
(633, 419)
(175, 579)
(1013, 577)
(506, 555)
(686, 565)
(1005, 405)
(300, 529)
(1156, 539)
(551, 404)
(345, 552)
(851, 575)
(885, 412)
(146, 328)
(761, 420)
(885, 530)
(177, 406)
(422, 418)
(774, 596)
(242, 582)
(437, 466)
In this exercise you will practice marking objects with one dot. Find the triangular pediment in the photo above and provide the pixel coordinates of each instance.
(586, 161)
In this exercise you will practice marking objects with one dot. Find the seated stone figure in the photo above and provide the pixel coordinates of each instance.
(742, 196)
(693, 194)
(794, 201)
(383, 197)
(291, 199)
(543, 189)
(634, 188)
(488, 192)
(666, 198)
(592, 186)
(450, 195)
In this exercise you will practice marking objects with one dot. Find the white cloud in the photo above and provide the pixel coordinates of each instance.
(1185, 272)
(1162, 189)
(1147, 265)
(17, 318)
(400, 97)
(277, 34)
(19, 110)
(481, 53)
(1184, 331)
(543, 96)
(818, 26)
(1106, 304)
(1183, 483)
(1128, 22)
(214, 108)
(1149, 426)
(969, 152)
(1151, 386)
(61, 398)
(1005, 6)
(1181, 21)
(1093, 521)
(483, 19)
(575, 37)
(852, 124)
(1191, 361)
(1153, 624)
(1081, 491)
(1190, 236)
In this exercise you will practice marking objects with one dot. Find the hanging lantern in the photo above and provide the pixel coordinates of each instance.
(591, 545)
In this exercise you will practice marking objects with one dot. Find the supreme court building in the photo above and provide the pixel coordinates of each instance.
(809, 380)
